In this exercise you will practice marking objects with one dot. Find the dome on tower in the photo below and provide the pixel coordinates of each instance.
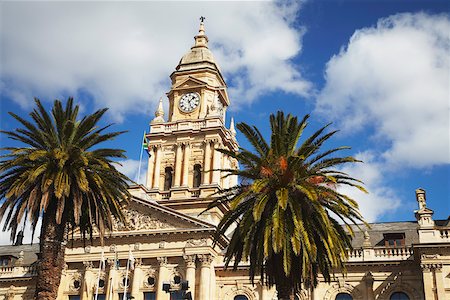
(199, 56)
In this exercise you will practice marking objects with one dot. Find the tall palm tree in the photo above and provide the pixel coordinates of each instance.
(63, 177)
(285, 211)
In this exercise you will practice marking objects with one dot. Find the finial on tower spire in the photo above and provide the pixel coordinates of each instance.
(232, 130)
(159, 113)
(201, 40)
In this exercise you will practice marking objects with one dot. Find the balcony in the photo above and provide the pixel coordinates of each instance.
(380, 254)
(17, 271)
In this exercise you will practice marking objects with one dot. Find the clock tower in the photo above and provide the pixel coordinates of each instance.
(184, 164)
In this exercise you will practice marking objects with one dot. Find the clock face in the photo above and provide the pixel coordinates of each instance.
(189, 102)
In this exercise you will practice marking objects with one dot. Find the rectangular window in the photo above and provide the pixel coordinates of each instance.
(74, 297)
(100, 297)
(127, 296)
(394, 239)
(176, 295)
(149, 296)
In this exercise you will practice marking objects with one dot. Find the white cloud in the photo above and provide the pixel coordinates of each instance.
(394, 80)
(5, 235)
(130, 167)
(381, 199)
(123, 52)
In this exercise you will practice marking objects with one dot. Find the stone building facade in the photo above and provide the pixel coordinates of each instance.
(168, 242)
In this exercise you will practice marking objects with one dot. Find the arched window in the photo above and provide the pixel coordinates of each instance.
(344, 296)
(168, 178)
(399, 296)
(197, 176)
(240, 297)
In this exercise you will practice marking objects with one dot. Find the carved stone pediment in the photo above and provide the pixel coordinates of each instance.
(138, 221)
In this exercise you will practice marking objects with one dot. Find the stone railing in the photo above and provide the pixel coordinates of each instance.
(380, 254)
(165, 195)
(445, 235)
(195, 193)
(185, 125)
(17, 271)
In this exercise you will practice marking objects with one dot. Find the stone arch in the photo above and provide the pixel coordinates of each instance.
(242, 290)
(337, 288)
(153, 274)
(404, 287)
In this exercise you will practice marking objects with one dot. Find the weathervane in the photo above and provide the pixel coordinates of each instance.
(202, 18)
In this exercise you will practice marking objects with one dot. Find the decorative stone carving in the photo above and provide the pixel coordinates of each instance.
(138, 221)
(87, 249)
(189, 261)
(196, 243)
(112, 248)
(162, 260)
(88, 265)
(162, 245)
(137, 246)
(10, 293)
(75, 282)
(205, 259)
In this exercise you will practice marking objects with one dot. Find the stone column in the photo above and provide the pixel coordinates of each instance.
(205, 276)
(428, 285)
(86, 286)
(150, 168)
(178, 162)
(185, 181)
(216, 164)
(156, 173)
(190, 273)
(111, 279)
(162, 275)
(137, 280)
(207, 163)
(438, 276)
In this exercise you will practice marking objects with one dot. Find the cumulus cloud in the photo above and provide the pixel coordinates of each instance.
(5, 235)
(381, 199)
(130, 167)
(393, 79)
(122, 53)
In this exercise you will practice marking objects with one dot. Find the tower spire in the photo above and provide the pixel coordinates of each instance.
(232, 130)
(159, 113)
(201, 40)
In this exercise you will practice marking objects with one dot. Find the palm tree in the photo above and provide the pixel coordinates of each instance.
(285, 211)
(61, 176)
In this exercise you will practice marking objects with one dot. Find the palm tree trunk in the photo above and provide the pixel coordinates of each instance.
(51, 257)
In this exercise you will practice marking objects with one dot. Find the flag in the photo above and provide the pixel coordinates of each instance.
(145, 143)
(132, 259)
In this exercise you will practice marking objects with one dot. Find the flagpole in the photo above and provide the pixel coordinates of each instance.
(140, 161)
(98, 277)
(126, 276)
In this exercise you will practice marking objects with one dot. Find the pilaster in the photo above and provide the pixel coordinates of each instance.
(216, 163)
(186, 155)
(207, 163)
(157, 170)
(150, 168)
(178, 164)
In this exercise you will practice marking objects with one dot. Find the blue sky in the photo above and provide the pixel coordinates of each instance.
(379, 70)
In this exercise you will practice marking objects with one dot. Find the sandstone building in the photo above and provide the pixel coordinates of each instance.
(170, 243)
